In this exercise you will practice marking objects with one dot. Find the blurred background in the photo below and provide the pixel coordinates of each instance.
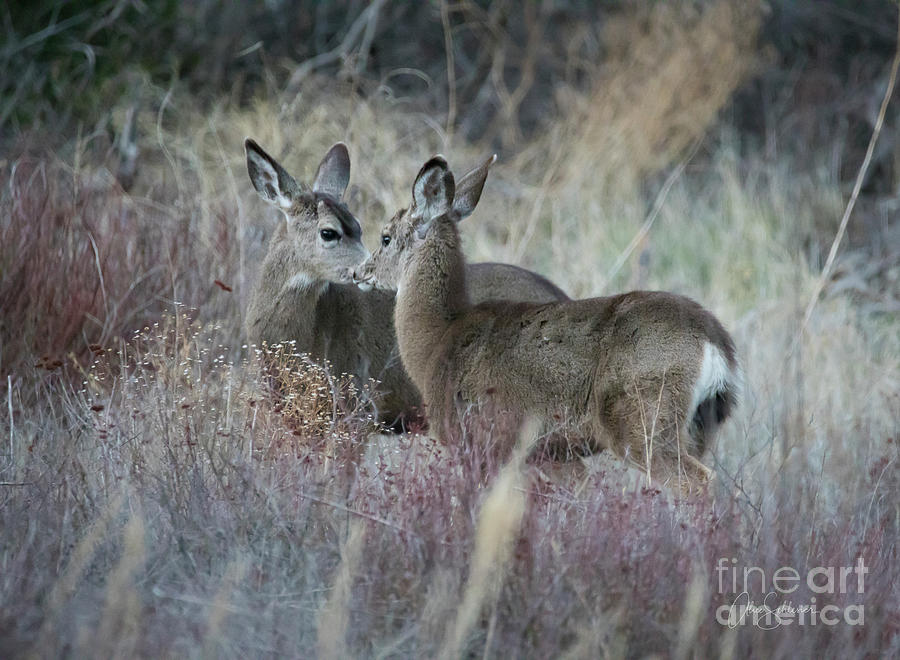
(792, 74)
(590, 106)
(706, 147)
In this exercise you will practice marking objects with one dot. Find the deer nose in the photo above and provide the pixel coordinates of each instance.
(360, 279)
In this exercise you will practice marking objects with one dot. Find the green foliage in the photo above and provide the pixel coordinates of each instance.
(59, 57)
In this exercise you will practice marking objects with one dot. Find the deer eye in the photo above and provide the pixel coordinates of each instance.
(386, 240)
(328, 235)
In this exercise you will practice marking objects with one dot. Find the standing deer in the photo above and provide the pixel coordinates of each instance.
(304, 292)
(484, 281)
(648, 375)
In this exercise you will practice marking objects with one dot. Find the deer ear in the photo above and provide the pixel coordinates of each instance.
(433, 189)
(468, 190)
(269, 178)
(333, 174)
(422, 229)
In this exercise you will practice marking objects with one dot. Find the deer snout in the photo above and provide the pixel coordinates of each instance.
(362, 278)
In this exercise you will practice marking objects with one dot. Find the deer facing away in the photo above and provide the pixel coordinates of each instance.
(304, 291)
(648, 375)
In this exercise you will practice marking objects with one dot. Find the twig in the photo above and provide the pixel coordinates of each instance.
(652, 216)
(874, 493)
(860, 177)
(510, 101)
(102, 282)
(308, 66)
(362, 57)
(249, 49)
(11, 422)
(361, 514)
(451, 68)
(24, 79)
(241, 216)
(50, 31)
(537, 207)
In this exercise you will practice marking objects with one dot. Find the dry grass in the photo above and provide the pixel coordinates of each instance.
(499, 520)
(154, 503)
(659, 89)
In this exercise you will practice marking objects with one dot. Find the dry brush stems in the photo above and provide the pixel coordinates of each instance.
(120, 622)
(363, 26)
(695, 603)
(65, 586)
(334, 617)
(221, 606)
(668, 72)
(857, 186)
(451, 70)
(651, 217)
(498, 526)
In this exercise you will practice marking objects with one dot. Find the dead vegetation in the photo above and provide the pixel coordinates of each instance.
(153, 502)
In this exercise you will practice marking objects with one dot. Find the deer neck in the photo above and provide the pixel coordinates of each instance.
(283, 307)
(432, 293)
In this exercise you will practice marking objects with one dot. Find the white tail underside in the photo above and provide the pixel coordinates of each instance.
(715, 376)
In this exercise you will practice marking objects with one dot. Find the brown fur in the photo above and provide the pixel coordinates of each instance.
(337, 322)
(623, 366)
(303, 292)
(484, 281)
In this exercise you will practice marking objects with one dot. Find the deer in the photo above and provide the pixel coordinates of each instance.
(304, 291)
(647, 375)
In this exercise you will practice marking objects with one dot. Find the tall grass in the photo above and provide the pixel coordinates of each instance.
(154, 501)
